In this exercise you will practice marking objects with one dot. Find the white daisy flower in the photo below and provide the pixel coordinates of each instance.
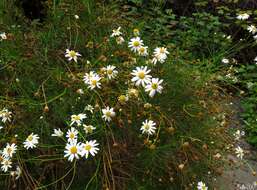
(90, 147)
(110, 71)
(57, 133)
(6, 164)
(108, 113)
(141, 76)
(201, 186)
(94, 82)
(239, 152)
(78, 119)
(148, 127)
(135, 44)
(89, 108)
(143, 51)
(72, 134)
(88, 76)
(88, 128)
(252, 29)
(5, 115)
(116, 32)
(31, 141)
(160, 55)
(224, 60)
(154, 86)
(3, 36)
(243, 16)
(9, 150)
(72, 55)
(73, 150)
(76, 17)
(120, 40)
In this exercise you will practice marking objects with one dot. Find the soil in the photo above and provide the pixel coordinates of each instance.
(238, 174)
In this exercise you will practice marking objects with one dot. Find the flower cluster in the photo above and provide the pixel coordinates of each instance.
(75, 149)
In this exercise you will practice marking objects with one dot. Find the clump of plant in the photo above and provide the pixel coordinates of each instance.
(86, 108)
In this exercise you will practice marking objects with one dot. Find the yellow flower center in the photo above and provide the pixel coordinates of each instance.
(73, 150)
(72, 53)
(72, 136)
(109, 72)
(136, 43)
(142, 49)
(154, 86)
(76, 118)
(141, 75)
(162, 50)
(89, 129)
(122, 98)
(9, 150)
(147, 127)
(93, 82)
(30, 138)
(88, 147)
(108, 114)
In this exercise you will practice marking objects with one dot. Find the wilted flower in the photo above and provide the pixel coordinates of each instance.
(136, 32)
(160, 55)
(239, 152)
(252, 29)
(89, 108)
(120, 40)
(123, 98)
(3, 36)
(16, 173)
(57, 133)
(116, 32)
(88, 128)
